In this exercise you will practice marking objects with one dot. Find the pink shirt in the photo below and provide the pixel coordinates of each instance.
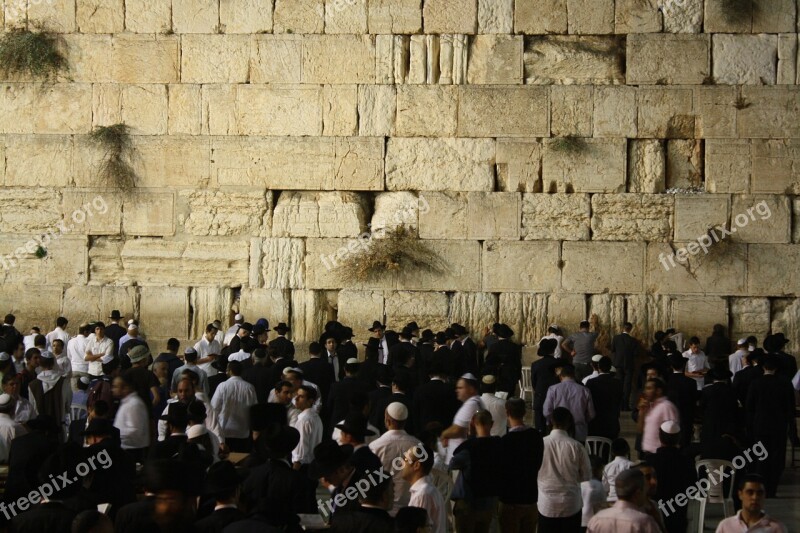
(735, 524)
(661, 411)
(623, 517)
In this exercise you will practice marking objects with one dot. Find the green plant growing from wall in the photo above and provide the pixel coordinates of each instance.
(41, 252)
(116, 169)
(23, 51)
(569, 145)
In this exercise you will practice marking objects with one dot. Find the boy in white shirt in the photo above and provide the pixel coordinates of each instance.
(697, 364)
(621, 450)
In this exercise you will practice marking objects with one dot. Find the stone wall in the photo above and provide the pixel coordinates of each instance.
(531, 142)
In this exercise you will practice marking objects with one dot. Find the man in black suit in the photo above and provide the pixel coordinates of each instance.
(177, 419)
(114, 483)
(746, 376)
(606, 392)
(242, 340)
(721, 417)
(114, 331)
(506, 357)
(400, 353)
(543, 376)
(318, 371)
(469, 348)
(279, 363)
(378, 396)
(353, 432)
(371, 515)
(339, 398)
(682, 391)
(259, 374)
(400, 393)
(624, 349)
(333, 357)
(787, 364)
(347, 348)
(435, 401)
(282, 346)
(222, 482)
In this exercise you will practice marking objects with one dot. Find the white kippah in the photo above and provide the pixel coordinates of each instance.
(352, 361)
(469, 375)
(197, 430)
(5, 399)
(670, 427)
(239, 316)
(742, 342)
(596, 358)
(46, 355)
(397, 411)
(4, 356)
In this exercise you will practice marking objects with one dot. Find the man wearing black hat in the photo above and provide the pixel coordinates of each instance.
(332, 466)
(242, 341)
(177, 419)
(339, 398)
(260, 374)
(435, 401)
(378, 331)
(370, 516)
(347, 348)
(318, 371)
(279, 363)
(469, 349)
(222, 482)
(400, 353)
(607, 397)
(624, 349)
(719, 409)
(114, 331)
(114, 482)
(787, 364)
(506, 357)
(377, 397)
(543, 376)
(281, 344)
(354, 430)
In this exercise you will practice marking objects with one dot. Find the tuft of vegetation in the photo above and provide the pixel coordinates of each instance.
(23, 51)
(116, 167)
(742, 103)
(41, 252)
(398, 250)
(571, 145)
(709, 80)
(737, 11)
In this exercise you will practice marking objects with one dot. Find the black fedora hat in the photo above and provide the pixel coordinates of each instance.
(407, 333)
(376, 325)
(440, 338)
(115, 315)
(412, 325)
(328, 456)
(282, 328)
(347, 333)
(177, 414)
(504, 331)
(547, 347)
(221, 477)
(281, 439)
(246, 326)
(355, 424)
(426, 336)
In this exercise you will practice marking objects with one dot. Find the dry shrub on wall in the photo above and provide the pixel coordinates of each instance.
(396, 250)
(116, 169)
(34, 53)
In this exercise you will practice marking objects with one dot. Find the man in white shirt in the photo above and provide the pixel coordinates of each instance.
(736, 360)
(58, 333)
(565, 465)
(98, 347)
(309, 425)
(9, 430)
(23, 410)
(30, 339)
(417, 466)
(467, 394)
(208, 349)
(553, 332)
(232, 401)
(595, 368)
(132, 418)
(233, 330)
(620, 450)
(62, 361)
(50, 393)
(76, 351)
(391, 445)
(495, 405)
(190, 357)
(697, 364)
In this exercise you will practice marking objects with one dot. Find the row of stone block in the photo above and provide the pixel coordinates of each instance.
(402, 16)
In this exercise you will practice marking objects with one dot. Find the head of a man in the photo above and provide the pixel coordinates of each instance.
(752, 492)
(566, 372)
(653, 389)
(32, 358)
(562, 419)
(466, 389)
(482, 423)
(515, 410)
(651, 373)
(330, 344)
(650, 478)
(234, 369)
(630, 485)
(417, 463)
(694, 345)
(210, 333)
(186, 390)
(99, 330)
(58, 347)
(40, 341)
(121, 386)
(11, 385)
(283, 392)
(305, 397)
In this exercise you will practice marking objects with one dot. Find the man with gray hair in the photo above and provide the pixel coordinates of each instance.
(625, 516)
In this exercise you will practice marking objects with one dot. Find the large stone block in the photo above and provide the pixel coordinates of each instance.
(474, 310)
(40, 305)
(218, 109)
(185, 109)
(322, 59)
(100, 16)
(684, 164)
(208, 304)
(282, 263)
(440, 164)
(279, 110)
(275, 304)
(598, 165)
(614, 112)
(88, 57)
(665, 113)
(149, 214)
(760, 16)
(519, 162)
(310, 311)
(583, 272)
(745, 59)
(786, 319)
(63, 108)
(172, 161)
(685, 268)
(164, 311)
(148, 16)
(277, 59)
(495, 59)
(669, 58)
(566, 310)
(637, 16)
(83, 304)
(695, 215)
(25, 211)
(460, 273)
(358, 309)
(377, 110)
(540, 16)
(775, 166)
(215, 58)
(646, 166)
(446, 218)
(426, 111)
(392, 209)
(320, 163)
(227, 213)
(43, 160)
(325, 263)
(590, 17)
(574, 60)
(761, 219)
(394, 16)
(697, 316)
(106, 104)
(503, 112)
(558, 216)
(495, 16)
(648, 313)
(299, 16)
(728, 166)
(145, 59)
(83, 205)
(64, 264)
(526, 314)
(346, 16)
(749, 316)
(195, 16)
(774, 113)
(323, 214)
(58, 15)
(787, 59)
(339, 110)
(450, 16)
(429, 308)
(609, 310)
(521, 266)
(493, 215)
(144, 108)
(632, 217)
(683, 17)
(571, 109)
(245, 16)
(715, 112)
(17, 107)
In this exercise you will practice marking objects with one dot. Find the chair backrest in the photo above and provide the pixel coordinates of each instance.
(709, 469)
(77, 412)
(526, 379)
(599, 446)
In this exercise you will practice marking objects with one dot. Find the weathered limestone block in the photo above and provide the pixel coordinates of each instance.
(518, 164)
(82, 304)
(322, 59)
(637, 16)
(359, 309)
(275, 304)
(669, 58)
(614, 112)
(473, 310)
(495, 16)
(684, 164)
(215, 58)
(440, 164)
(453, 59)
(148, 16)
(320, 163)
(346, 16)
(88, 57)
(145, 58)
(100, 16)
(495, 59)
(597, 167)
(40, 305)
(299, 16)
(209, 304)
(715, 114)
(566, 310)
(429, 308)
(745, 59)
(99, 210)
(105, 263)
(672, 269)
(558, 217)
(323, 214)
(276, 59)
(65, 262)
(195, 16)
(540, 16)
(324, 264)
(521, 266)
(62, 108)
(749, 316)
(590, 17)
(29, 210)
(460, 260)
(761, 219)
(106, 104)
(610, 312)
(774, 113)
(42, 160)
(632, 217)
(227, 213)
(144, 108)
(695, 215)
(526, 314)
(340, 110)
(571, 110)
(450, 16)
(786, 318)
(166, 161)
(776, 166)
(765, 16)
(583, 272)
(17, 107)
(685, 16)
(310, 312)
(58, 15)
(218, 109)
(149, 214)
(426, 110)
(503, 112)
(697, 316)
(385, 59)
(446, 218)
(395, 208)
(787, 59)
(570, 60)
(245, 16)
(293, 110)
(418, 59)
(493, 215)
(185, 109)
(282, 263)
(377, 109)
(394, 16)
(648, 313)
(728, 166)
(665, 113)
(164, 311)
(646, 166)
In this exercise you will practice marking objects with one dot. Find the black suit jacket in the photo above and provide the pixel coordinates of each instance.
(720, 413)
(52, 517)
(506, 356)
(115, 332)
(770, 406)
(624, 348)
(275, 371)
(339, 399)
(543, 376)
(347, 350)
(283, 346)
(682, 391)
(376, 404)
(137, 517)
(607, 398)
(787, 365)
(400, 353)
(319, 372)
(470, 356)
(277, 490)
(217, 521)
(362, 520)
(259, 377)
(434, 401)
(742, 381)
(168, 448)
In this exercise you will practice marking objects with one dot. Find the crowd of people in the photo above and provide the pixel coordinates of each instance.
(411, 431)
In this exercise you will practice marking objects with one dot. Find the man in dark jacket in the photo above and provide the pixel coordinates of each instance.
(720, 410)
(675, 472)
(339, 398)
(114, 331)
(787, 364)
(718, 345)
(318, 371)
(606, 392)
(435, 401)
(222, 482)
(282, 346)
(506, 357)
(543, 376)
(682, 391)
(624, 349)
(377, 397)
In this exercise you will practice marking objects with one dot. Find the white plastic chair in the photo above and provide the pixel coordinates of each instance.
(77, 412)
(716, 493)
(525, 384)
(599, 446)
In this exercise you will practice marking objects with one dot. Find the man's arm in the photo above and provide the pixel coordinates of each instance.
(454, 432)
